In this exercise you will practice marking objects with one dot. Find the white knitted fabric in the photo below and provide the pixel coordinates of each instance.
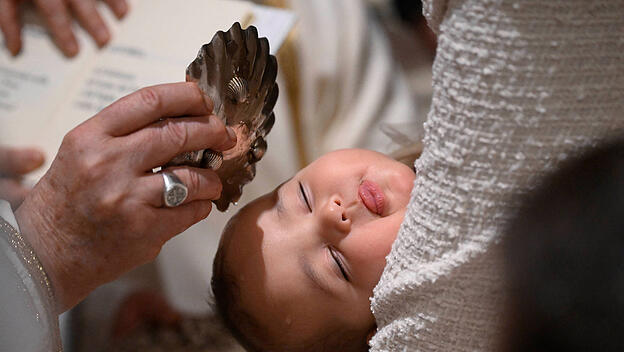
(518, 87)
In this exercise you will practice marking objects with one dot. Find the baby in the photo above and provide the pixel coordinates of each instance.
(296, 268)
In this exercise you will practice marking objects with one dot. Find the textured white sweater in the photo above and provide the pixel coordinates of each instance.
(518, 87)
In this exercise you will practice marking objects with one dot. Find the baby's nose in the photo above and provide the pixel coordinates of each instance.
(335, 215)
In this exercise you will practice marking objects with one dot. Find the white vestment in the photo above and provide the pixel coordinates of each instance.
(518, 86)
(28, 320)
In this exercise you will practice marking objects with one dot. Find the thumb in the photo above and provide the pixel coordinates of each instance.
(19, 161)
(12, 191)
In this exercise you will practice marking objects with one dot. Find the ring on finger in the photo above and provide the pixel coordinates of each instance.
(174, 191)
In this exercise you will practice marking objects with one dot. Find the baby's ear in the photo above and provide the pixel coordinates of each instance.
(370, 334)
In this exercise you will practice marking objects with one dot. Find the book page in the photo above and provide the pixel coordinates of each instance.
(34, 83)
(274, 24)
(153, 45)
(151, 49)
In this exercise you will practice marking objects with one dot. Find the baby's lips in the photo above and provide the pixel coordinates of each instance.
(372, 196)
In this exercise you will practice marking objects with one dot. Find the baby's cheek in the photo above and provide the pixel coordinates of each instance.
(369, 248)
(377, 246)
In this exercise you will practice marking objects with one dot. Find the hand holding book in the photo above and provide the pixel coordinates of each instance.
(57, 15)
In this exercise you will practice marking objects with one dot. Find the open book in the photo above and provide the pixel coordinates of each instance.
(44, 95)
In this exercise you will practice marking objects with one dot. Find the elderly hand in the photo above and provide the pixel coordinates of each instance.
(56, 14)
(14, 163)
(98, 211)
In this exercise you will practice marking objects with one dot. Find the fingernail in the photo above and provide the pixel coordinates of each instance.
(14, 48)
(122, 9)
(71, 48)
(32, 159)
(103, 35)
(231, 133)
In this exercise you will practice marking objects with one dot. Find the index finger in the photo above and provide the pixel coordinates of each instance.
(56, 15)
(19, 161)
(10, 25)
(150, 104)
(90, 18)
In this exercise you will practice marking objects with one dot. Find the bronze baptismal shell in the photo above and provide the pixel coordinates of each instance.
(237, 72)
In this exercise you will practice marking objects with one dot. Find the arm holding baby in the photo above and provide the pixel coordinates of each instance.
(514, 94)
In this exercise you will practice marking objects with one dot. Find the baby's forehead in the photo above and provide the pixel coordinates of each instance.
(251, 211)
(242, 236)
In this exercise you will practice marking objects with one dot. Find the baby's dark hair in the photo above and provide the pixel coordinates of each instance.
(564, 254)
(226, 294)
(250, 334)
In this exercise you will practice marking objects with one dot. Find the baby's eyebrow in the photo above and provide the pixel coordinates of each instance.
(279, 204)
(317, 281)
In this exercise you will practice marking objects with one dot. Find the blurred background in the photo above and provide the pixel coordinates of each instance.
(352, 73)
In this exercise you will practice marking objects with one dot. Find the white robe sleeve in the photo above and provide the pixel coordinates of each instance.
(350, 84)
(518, 86)
(28, 319)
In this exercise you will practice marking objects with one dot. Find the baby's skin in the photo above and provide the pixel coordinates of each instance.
(305, 257)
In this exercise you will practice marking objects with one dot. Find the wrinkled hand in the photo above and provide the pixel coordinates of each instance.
(58, 17)
(98, 211)
(15, 163)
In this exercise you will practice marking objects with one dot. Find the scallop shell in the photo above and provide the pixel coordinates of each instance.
(237, 72)
(237, 89)
(212, 160)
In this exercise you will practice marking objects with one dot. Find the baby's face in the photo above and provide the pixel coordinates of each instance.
(307, 256)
